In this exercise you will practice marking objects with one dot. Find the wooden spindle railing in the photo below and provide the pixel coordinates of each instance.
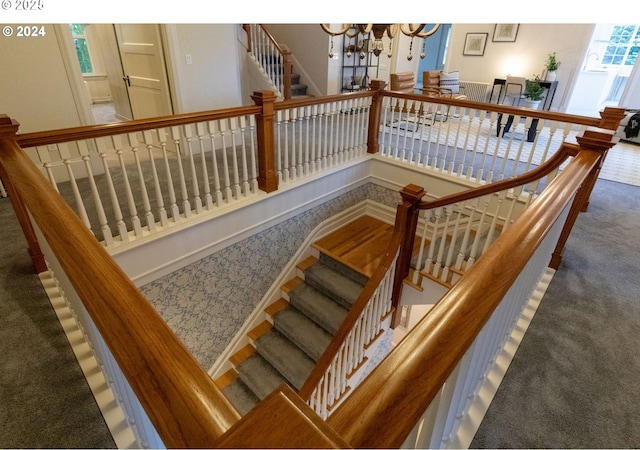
(191, 411)
(400, 389)
(180, 398)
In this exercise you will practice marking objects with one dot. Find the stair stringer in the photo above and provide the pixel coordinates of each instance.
(274, 293)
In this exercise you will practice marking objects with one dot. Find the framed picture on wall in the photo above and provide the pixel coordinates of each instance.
(474, 44)
(505, 32)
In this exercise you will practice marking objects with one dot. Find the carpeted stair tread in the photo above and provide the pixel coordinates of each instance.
(285, 357)
(297, 327)
(259, 375)
(343, 269)
(240, 396)
(333, 284)
(318, 307)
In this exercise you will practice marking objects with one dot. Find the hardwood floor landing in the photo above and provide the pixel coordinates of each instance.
(359, 245)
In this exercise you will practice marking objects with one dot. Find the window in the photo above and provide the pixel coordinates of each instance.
(624, 45)
(80, 42)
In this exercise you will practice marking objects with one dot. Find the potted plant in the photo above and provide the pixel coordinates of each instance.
(551, 64)
(533, 92)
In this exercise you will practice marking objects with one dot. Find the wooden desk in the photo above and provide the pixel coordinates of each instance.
(550, 86)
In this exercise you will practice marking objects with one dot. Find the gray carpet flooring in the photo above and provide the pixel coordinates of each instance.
(45, 401)
(574, 382)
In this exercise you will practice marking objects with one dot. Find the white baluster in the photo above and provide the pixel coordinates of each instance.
(324, 130)
(45, 159)
(430, 264)
(162, 212)
(331, 147)
(243, 147)
(202, 133)
(102, 218)
(293, 116)
(188, 134)
(146, 204)
(234, 151)
(115, 203)
(173, 206)
(186, 205)
(476, 240)
(211, 126)
(305, 112)
(314, 156)
(281, 172)
(252, 150)
(222, 126)
(135, 221)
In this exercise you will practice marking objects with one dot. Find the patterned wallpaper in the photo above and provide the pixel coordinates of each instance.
(206, 303)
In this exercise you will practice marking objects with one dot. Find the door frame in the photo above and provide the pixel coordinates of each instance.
(76, 81)
(74, 73)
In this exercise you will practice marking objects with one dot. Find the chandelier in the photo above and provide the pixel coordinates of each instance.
(379, 30)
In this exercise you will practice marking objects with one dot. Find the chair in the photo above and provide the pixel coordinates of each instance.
(404, 82)
(513, 90)
(442, 84)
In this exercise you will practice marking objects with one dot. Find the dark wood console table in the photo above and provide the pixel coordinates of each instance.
(550, 86)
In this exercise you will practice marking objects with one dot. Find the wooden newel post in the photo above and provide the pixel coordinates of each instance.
(377, 86)
(593, 139)
(287, 68)
(265, 122)
(247, 29)
(8, 130)
(406, 222)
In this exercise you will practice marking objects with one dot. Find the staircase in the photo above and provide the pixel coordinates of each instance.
(298, 89)
(274, 65)
(298, 327)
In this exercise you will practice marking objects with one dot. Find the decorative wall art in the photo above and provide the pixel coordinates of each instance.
(505, 32)
(474, 44)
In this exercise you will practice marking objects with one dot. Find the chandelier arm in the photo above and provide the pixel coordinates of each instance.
(430, 32)
(417, 32)
(328, 30)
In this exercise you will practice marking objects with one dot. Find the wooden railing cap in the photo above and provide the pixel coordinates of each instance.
(8, 126)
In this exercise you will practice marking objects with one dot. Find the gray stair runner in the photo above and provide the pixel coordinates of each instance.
(301, 332)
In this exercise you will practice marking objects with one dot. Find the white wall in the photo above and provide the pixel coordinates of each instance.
(35, 88)
(525, 56)
(212, 80)
(310, 47)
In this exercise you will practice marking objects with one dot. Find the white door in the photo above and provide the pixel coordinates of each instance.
(145, 74)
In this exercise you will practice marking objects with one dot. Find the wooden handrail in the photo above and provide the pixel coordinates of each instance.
(406, 382)
(565, 151)
(27, 140)
(510, 110)
(180, 398)
(311, 101)
(192, 412)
